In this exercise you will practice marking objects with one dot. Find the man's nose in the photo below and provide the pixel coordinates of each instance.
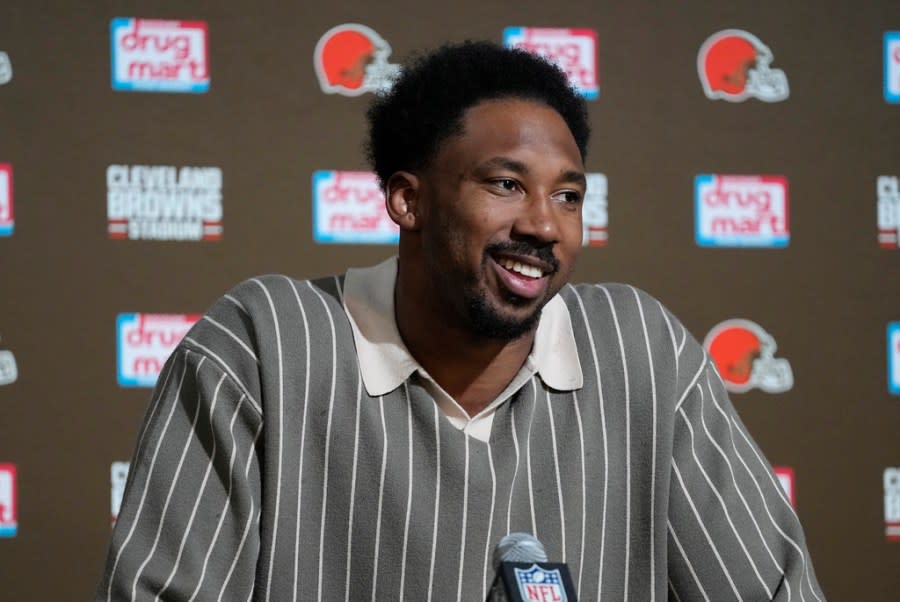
(538, 220)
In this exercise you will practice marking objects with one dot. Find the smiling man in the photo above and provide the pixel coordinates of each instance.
(490, 232)
(375, 434)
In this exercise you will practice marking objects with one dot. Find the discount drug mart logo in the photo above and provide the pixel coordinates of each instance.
(893, 353)
(162, 202)
(143, 344)
(892, 503)
(348, 208)
(741, 211)
(6, 71)
(785, 476)
(9, 372)
(7, 222)
(150, 55)
(888, 190)
(892, 67)
(9, 511)
(594, 212)
(574, 50)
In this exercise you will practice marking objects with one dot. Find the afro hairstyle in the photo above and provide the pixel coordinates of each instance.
(426, 104)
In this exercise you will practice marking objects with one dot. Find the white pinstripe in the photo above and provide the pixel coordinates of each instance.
(353, 488)
(253, 589)
(487, 539)
(409, 488)
(327, 441)
(627, 381)
(691, 384)
(340, 291)
(237, 303)
(512, 484)
(302, 434)
(674, 593)
(559, 493)
(593, 347)
(683, 340)
(534, 529)
(676, 350)
(652, 455)
(380, 499)
(465, 518)
(437, 499)
(279, 476)
(583, 491)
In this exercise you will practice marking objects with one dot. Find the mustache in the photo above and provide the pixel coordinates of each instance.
(520, 247)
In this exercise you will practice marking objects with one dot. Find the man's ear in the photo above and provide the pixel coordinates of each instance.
(403, 193)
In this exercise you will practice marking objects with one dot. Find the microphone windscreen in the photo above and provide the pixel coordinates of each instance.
(519, 547)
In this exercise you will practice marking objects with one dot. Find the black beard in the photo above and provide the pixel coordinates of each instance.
(485, 318)
(489, 323)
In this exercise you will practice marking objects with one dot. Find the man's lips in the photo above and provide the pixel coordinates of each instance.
(520, 278)
(526, 265)
(525, 254)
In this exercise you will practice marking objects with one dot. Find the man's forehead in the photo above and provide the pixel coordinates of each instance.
(564, 174)
(501, 126)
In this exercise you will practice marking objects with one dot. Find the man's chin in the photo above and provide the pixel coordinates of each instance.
(501, 323)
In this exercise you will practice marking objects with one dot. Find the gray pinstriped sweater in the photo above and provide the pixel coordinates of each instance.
(265, 472)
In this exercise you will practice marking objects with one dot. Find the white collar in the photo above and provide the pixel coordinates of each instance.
(386, 363)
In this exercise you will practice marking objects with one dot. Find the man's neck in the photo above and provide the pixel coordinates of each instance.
(472, 369)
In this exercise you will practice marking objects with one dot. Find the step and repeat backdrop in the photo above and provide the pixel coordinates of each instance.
(745, 169)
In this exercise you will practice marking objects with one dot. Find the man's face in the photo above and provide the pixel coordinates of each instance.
(501, 204)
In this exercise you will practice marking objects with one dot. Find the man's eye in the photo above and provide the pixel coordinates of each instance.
(570, 196)
(506, 183)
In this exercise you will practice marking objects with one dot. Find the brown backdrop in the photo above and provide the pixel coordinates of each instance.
(827, 297)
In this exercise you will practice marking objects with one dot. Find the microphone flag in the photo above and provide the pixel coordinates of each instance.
(524, 575)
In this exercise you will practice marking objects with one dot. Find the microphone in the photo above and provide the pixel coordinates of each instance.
(524, 575)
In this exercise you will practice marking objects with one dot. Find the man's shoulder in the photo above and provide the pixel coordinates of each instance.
(259, 306)
(618, 311)
(269, 292)
(626, 318)
(605, 293)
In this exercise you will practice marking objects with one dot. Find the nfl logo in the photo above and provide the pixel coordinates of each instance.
(540, 585)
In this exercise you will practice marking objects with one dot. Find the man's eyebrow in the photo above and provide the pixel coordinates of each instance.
(505, 163)
(576, 177)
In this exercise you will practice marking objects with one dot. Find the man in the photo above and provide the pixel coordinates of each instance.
(373, 436)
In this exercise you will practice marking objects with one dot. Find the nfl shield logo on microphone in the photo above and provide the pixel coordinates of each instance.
(540, 585)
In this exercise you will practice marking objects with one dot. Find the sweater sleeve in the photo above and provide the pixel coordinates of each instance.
(732, 534)
(188, 524)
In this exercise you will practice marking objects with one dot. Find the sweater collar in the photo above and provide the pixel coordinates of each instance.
(385, 362)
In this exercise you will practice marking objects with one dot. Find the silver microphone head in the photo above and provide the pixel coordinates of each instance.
(519, 547)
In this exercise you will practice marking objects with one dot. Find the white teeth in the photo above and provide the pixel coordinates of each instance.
(521, 268)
